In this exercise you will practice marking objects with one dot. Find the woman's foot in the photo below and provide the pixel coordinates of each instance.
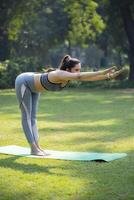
(37, 152)
(46, 154)
(38, 146)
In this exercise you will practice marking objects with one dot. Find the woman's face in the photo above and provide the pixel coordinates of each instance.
(76, 68)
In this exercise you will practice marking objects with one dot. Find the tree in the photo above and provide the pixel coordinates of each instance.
(128, 21)
(52, 23)
(85, 22)
(34, 26)
(45, 28)
(6, 10)
(119, 21)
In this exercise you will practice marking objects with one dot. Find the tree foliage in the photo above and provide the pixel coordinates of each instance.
(45, 27)
(85, 22)
(38, 25)
(32, 28)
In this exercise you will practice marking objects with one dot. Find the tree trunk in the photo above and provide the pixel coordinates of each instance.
(129, 28)
(4, 45)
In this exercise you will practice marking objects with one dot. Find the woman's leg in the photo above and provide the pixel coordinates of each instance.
(26, 108)
(35, 99)
(26, 111)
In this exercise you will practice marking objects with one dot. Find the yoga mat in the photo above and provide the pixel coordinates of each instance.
(64, 155)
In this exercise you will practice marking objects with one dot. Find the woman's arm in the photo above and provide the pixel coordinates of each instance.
(100, 75)
(104, 76)
(61, 75)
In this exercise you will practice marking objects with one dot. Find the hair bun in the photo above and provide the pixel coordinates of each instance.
(66, 58)
(67, 63)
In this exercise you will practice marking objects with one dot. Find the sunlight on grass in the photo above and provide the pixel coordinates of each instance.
(95, 121)
(124, 144)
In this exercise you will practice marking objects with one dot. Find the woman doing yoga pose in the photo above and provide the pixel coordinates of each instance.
(29, 85)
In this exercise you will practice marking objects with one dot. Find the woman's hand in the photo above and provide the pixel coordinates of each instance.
(112, 75)
(109, 70)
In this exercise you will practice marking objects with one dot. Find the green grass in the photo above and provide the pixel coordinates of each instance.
(75, 120)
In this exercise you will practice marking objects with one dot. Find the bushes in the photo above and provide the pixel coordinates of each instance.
(9, 69)
(107, 84)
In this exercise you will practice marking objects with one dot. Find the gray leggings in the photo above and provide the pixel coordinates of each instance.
(28, 103)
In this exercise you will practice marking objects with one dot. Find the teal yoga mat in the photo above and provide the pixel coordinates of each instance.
(64, 155)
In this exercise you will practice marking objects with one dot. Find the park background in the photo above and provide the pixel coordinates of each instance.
(35, 34)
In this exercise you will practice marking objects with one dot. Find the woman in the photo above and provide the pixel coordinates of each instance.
(29, 85)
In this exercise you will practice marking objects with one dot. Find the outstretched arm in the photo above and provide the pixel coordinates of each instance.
(62, 75)
(109, 75)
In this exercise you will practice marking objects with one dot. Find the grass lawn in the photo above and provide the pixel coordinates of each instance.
(74, 120)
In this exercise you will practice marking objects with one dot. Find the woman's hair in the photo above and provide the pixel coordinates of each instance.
(68, 63)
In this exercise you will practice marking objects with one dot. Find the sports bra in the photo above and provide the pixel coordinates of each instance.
(49, 85)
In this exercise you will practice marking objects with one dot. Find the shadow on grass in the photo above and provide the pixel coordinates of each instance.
(26, 168)
(11, 163)
(100, 180)
(112, 180)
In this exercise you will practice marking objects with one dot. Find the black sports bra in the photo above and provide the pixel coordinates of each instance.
(49, 85)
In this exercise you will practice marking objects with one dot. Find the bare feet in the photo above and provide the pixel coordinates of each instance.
(39, 153)
(46, 154)
(36, 150)
(38, 146)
